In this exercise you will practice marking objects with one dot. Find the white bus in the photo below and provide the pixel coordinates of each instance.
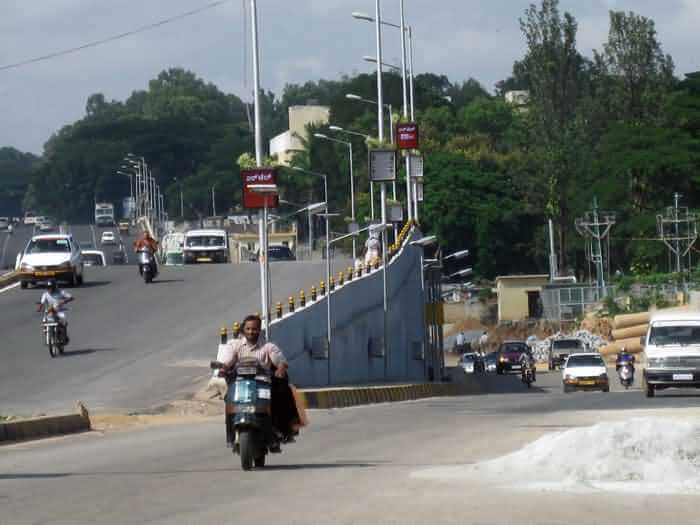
(210, 246)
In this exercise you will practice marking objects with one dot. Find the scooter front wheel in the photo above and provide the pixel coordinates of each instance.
(247, 449)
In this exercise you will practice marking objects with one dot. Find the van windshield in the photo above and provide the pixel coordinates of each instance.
(204, 240)
(675, 335)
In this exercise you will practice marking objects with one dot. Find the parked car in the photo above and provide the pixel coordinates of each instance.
(471, 363)
(509, 355)
(108, 237)
(585, 371)
(94, 258)
(560, 349)
(53, 256)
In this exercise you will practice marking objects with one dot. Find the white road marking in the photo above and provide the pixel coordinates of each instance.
(8, 288)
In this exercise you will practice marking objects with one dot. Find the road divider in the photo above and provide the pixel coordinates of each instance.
(9, 280)
(340, 397)
(46, 426)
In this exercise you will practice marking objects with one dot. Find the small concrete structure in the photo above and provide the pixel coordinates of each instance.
(519, 296)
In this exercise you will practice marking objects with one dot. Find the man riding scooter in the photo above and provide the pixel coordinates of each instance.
(624, 365)
(527, 365)
(623, 358)
(253, 350)
(148, 244)
(57, 299)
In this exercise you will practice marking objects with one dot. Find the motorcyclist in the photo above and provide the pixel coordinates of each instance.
(253, 350)
(527, 362)
(373, 248)
(149, 244)
(56, 298)
(623, 358)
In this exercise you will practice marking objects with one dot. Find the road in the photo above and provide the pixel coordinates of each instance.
(11, 245)
(374, 464)
(133, 347)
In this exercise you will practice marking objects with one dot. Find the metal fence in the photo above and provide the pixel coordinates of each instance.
(568, 304)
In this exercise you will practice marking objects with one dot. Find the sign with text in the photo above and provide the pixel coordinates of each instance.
(416, 166)
(407, 135)
(382, 165)
(252, 200)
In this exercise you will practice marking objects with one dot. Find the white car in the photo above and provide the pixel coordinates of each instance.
(108, 237)
(585, 371)
(50, 257)
(94, 258)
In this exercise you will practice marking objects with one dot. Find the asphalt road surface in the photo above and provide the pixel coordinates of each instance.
(133, 346)
(11, 245)
(356, 465)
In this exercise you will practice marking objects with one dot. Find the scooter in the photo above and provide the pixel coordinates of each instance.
(249, 428)
(54, 334)
(147, 266)
(626, 374)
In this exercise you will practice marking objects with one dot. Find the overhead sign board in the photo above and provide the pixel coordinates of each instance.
(407, 135)
(416, 166)
(252, 200)
(382, 165)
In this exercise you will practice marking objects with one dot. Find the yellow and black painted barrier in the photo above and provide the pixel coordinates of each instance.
(10, 278)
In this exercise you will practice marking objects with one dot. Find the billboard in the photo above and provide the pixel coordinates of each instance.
(407, 135)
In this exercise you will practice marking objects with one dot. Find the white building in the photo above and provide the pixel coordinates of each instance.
(286, 144)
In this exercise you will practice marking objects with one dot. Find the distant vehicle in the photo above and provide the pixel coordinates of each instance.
(509, 355)
(119, 256)
(471, 363)
(124, 227)
(104, 214)
(29, 218)
(672, 350)
(54, 256)
(108, 237)
(94, 258)
(44, 224)
(279, 252)
(491, 362)
(585, 371)
(4, 223)
(205, 246)
(560, 349)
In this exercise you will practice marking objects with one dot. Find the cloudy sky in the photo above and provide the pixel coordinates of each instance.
(300, 40)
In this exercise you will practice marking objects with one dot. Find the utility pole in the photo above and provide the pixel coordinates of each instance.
(678, 230)
(595, 225)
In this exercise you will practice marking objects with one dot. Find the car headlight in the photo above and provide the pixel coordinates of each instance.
(502, 359)
(26, 267)
(568, 377)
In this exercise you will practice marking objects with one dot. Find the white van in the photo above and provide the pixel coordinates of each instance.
(672, 350)
(205, 246)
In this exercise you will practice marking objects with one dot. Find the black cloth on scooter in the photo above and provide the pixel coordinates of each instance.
(284, 409)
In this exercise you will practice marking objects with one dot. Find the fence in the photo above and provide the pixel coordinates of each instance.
(568, 304)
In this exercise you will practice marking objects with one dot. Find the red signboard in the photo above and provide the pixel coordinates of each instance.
(258, 176)
(407, 135)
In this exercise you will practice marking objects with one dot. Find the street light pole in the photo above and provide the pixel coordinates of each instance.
(213, 201)
(409, 200)
(380, 93)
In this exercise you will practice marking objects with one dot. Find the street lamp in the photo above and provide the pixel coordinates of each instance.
(325, 194)
(456, 255)
(368, 58)
(358, 98)
(366, 137)
(352, 184)
(328, 216)
(266, 190)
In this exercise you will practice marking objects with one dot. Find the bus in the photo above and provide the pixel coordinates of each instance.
(104, 214)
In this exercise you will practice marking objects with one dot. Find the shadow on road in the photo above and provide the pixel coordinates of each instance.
(320, 466)
(74, 353)
(38, 475)
(489, 383)
(94, 284)
(162, 281)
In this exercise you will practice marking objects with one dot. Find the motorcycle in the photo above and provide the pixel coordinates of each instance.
(626, 374)
(147, 266)
(54, 335)
(250, 426)
(527, 376)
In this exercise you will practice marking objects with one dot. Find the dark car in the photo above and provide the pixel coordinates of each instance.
(280, 253)
(560, 349)
(509, 355)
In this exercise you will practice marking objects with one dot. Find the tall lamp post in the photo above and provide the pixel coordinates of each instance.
(352, 185)
(366, 137)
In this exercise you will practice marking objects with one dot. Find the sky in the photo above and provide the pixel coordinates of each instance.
(300, 40)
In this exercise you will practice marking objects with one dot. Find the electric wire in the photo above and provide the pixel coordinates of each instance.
(112, 38)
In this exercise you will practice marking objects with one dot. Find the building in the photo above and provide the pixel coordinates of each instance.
(244, 236)
(519, 296)
(286, 144)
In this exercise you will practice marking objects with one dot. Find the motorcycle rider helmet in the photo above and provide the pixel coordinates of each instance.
(51, 285)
